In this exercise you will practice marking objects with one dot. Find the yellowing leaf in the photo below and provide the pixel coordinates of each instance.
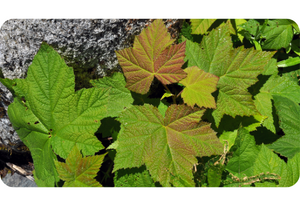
(198, 88)
(167, 146)
(237, 68)
(152, 56)
(78, 171)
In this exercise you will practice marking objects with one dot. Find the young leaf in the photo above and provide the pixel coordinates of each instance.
(167, 146)
(53, 115)
(152, 56)
(78, 171)
(119, 96)
(200, 26)
(198, 88)
(241, 164)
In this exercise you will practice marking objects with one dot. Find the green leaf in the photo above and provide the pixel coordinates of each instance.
(186, 32)
(78, 171)
(53, 115)
(211, 52)
(287, 145)
(214, 176)
(238, 69)
(263, 104)
(269, 162)
(167, 146)
(296, 46)
(135, 177)
(278, 34)
(271, 67)
(291, 61)
(275, 85)
(152, 56)
(119, 97)
(228, 138)
(198, 88)
(293, 170)
(289, 115)
(166, 94)
(251, 26)
(200, 26)
(242, 161)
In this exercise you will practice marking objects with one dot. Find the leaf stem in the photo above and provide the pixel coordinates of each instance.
(173, 97)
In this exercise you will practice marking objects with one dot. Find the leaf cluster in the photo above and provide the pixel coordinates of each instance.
(217, 108)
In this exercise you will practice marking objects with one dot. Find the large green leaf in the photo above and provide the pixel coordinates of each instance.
(78, 171)
(198, 88)
(119, 96)
(152, 56)
(200, 26)
(238, 69)
(167, 146)
(242, 161)
(51, 114)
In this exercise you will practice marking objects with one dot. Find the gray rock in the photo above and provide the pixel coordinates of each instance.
(17, 180)
(82, 42)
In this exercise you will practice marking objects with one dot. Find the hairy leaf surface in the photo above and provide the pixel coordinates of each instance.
(52, 115)
(198, 88)
(167, 146)
(237, 68)
(152, 56)
(119, 96)
(79, 171)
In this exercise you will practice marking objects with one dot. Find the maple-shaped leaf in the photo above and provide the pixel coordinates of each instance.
(50, 117)
(200, 26)
(198, 88)
(79, 171)
(168, 146)
(237, 68)
(152, 56)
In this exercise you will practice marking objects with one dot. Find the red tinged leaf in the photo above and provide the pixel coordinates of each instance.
(152, 56)
(168, 146)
